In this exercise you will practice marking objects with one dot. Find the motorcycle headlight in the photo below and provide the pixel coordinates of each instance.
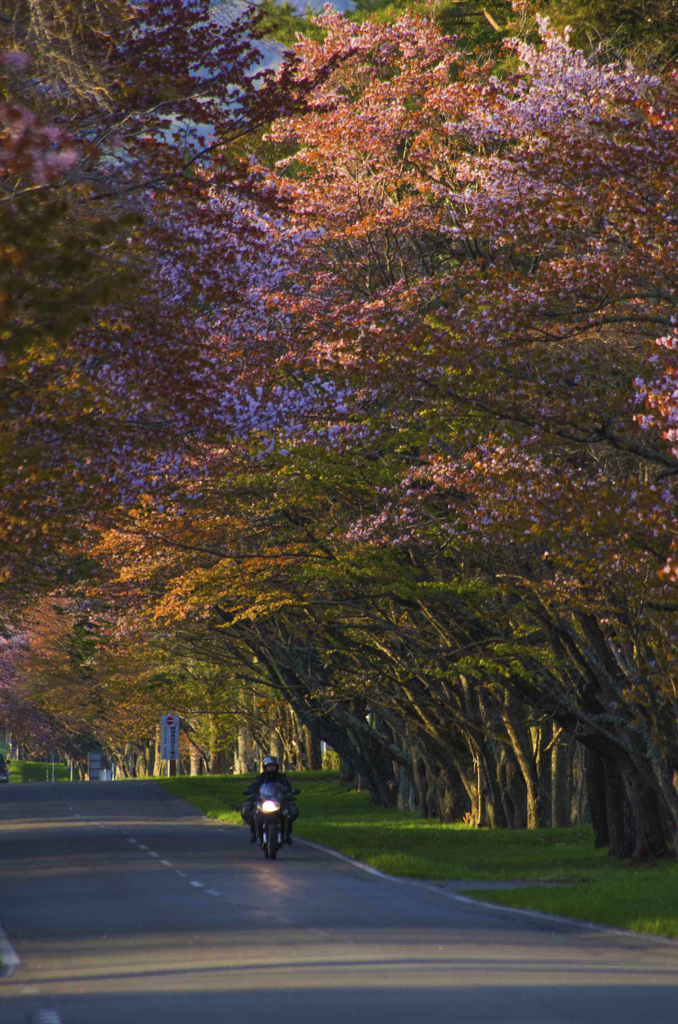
(269, 806)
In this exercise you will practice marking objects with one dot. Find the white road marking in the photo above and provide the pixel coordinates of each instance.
(46, 1017)
(152, 853)
(212, 892)
(181, 874)
(142, 847)
(131, 840)
(9, 959)
(198, 885)
(537, 915)
(167, 863)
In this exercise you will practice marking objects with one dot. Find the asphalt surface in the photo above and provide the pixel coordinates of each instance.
(125, 906)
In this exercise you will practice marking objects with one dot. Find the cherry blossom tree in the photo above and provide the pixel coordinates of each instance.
(394, 436)
(479, 267)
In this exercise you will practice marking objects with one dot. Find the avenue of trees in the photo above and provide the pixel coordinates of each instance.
(339, 402)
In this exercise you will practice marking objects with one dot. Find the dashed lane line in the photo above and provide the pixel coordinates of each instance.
(11, 958)
(139, 846)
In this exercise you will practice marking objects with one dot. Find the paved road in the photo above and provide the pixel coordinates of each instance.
(124, 906)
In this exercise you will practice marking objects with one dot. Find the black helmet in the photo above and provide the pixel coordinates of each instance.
(270, 760)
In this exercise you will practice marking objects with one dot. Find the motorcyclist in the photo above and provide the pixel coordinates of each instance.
(271, 773)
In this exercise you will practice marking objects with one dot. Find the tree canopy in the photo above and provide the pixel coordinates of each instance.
(374, 439)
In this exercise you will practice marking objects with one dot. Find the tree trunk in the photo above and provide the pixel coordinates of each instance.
(452, 796)
(490, 806)
(348, 776)
(543, 766)
(621, 826)
(522, 748)
(196, 761)
(560, 786)
(143, 761)
(421, 782)
(515, 790)
(595, 790)
(407, 791)
(579, 803)
(157, 760)
(275, 746)
(243, 758)
(502, 782)
(650, 840)
(218, 747)
(314, 757)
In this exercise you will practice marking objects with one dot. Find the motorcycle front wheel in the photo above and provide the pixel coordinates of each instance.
(272, 845)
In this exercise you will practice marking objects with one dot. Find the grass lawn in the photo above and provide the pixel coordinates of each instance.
(642, 898)
(36, 771)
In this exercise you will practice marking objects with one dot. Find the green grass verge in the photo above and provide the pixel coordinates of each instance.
(642, 898)
(36, 771)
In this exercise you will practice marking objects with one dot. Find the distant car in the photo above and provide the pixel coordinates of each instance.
(4, 774)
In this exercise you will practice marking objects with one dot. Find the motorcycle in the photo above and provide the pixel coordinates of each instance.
(270, 817)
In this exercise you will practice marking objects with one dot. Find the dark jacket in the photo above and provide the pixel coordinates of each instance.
(279, 777)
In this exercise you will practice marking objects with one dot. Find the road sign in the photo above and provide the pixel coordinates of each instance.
(169, 738)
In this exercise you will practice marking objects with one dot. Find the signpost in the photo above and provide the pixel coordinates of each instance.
(169, 741)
